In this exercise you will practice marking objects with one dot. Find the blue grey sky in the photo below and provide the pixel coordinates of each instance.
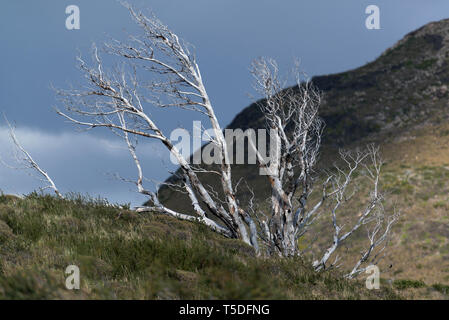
(37, 50)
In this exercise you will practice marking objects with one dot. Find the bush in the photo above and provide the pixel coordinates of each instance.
(405, 284)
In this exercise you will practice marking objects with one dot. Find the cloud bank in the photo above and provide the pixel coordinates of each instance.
(80, 162)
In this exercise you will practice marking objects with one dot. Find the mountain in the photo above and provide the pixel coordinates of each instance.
(400, 101)
(403, 86)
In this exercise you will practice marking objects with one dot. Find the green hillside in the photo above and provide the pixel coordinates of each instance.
(122, 255)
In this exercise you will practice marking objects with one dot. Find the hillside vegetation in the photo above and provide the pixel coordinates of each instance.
(123, 255)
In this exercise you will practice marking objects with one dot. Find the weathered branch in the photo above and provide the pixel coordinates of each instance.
(27, 162)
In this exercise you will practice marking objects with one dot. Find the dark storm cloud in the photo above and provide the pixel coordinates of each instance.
(37, 50)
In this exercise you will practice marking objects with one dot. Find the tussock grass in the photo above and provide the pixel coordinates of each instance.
(123, 255)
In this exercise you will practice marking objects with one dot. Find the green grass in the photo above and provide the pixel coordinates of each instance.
(444, 289)
(406, 284)
(426, 64)
(124, 255)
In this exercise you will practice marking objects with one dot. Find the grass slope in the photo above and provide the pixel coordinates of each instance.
(123, 255)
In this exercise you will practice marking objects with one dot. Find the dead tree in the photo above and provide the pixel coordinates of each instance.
(120, 101)
(292, 117)
(26, 162)
(116, 101)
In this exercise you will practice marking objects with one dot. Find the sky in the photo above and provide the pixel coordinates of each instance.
(38, 52)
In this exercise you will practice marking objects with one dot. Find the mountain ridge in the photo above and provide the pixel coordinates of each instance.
(404, 87)
(430, 40)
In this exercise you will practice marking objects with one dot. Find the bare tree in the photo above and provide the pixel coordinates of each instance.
(116, 102)
(26, 162)
(120, 100)
(373, 217)
(292, 117)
